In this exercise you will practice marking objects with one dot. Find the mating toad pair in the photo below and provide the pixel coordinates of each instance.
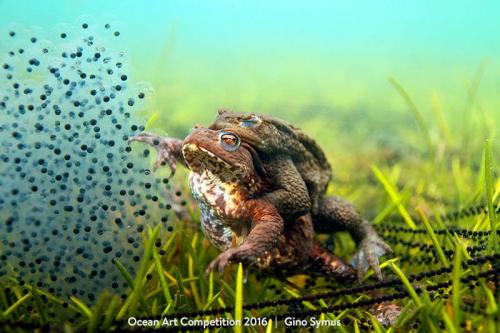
(260, 184)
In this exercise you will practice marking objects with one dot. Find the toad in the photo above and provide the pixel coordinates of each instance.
(299, 173)
(293, 155)
(226, 179)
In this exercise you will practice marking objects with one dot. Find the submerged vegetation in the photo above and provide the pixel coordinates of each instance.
(427, 183)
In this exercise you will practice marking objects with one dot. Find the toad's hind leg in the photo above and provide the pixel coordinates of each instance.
(327, 264)
(336, 214)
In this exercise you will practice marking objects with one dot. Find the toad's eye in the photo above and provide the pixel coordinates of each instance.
(229, 141)
(251, 121)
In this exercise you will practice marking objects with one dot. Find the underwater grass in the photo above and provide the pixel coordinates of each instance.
(395, 196)
(435, 241)
(488, 183)
(174, 285)
(238, 308)
(174, 282)
(416, 112)
(407, 284)
(456, 285)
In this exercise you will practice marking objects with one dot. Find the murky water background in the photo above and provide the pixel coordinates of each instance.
(288, 57)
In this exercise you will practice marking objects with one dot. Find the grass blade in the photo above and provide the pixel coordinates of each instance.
(307, 304)
(416, 112)
(457, 269)
(126, 275)
(141, 273)
(228, 289)
(83, 308)
(39, 306)
(130, 282)
(450, 326)
(441, 121)
(434, 239)
(161, 277)
(390, 208)
(109, 315)
(376, 324)
(488, 183)
(356, 326)
(3, 297)
(393, 194)
(14, 306)
(269, 328)
(212, 300)
(193, 260)
(98, 312)
(407, 284)
(152, 120)
(238, 306)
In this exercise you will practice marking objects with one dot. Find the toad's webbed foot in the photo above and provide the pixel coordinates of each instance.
(370, 249)
(241, 254)
(168, 149)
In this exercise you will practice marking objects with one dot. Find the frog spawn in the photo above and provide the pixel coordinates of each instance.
(72, 196)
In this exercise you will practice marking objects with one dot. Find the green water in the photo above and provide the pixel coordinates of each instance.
(308, 62)
(289, 54)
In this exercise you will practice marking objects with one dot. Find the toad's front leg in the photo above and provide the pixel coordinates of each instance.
(266, 228)
(169, 150)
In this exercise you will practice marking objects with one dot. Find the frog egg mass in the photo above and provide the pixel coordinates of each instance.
(73, 196)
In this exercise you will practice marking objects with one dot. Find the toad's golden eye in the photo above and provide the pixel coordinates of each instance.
(229, 141)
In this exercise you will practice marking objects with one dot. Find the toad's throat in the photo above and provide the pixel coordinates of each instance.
(201, 160)
(219, 189)
(219, 200)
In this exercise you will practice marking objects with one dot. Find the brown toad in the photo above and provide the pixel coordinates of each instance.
(298, 172)
(292, 155)
(226, 180)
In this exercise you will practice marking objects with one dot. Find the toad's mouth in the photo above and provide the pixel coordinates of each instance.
(200, 158)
